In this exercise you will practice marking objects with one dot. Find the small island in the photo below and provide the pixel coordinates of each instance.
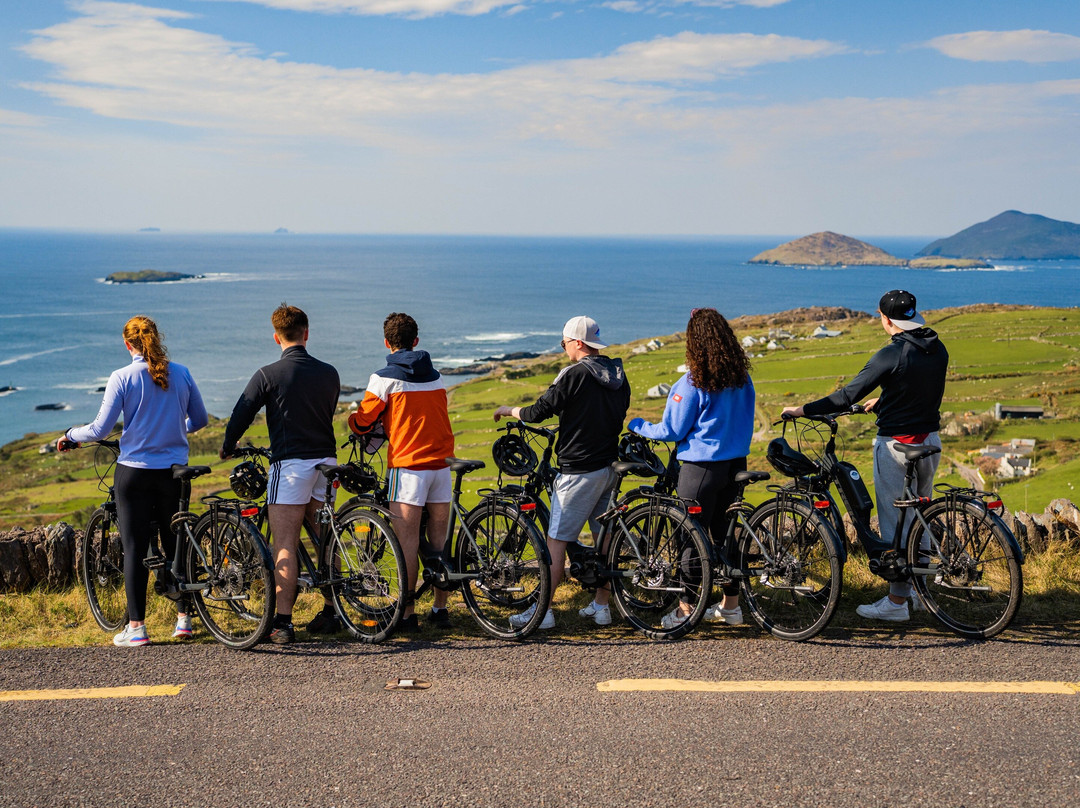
(149, 276)
(828, 249)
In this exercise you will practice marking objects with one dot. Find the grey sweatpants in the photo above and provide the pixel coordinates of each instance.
(889, 486)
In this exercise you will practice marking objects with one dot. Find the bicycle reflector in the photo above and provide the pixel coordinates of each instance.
(247, 513)
(822, 504)
(694, 510)
(528, 506)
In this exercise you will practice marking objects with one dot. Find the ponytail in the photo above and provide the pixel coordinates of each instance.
(141, 333)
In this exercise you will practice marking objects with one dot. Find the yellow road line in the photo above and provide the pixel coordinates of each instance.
(133, 691)
(835, 686)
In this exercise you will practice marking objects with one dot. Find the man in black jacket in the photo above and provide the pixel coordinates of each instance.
(911, 373)
(590, 397)
(300, 394)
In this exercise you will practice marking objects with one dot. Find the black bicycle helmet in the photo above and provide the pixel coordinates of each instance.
(248, 480)
(357, 479)
(513, 455)
(635, 449)
(788, 461)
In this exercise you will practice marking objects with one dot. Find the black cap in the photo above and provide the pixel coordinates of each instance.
(899, 306)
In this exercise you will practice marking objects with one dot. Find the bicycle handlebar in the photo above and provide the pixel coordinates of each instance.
(830, 418)
(250, 451)
(544, 432)
(68, 445)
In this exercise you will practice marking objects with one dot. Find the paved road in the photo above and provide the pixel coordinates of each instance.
(507, 725)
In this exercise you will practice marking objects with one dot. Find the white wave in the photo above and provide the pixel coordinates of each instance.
(452, 361)
(24, 357)
(1002, 268)
(508, 336)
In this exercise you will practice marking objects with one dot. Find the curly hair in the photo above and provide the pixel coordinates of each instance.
(715, 358)
(400, 331)
(141, 333)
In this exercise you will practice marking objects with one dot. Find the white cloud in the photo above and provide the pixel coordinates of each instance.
(406, 8)
(664, 6)
(124, 61)
(9, 117)
(1009, 46)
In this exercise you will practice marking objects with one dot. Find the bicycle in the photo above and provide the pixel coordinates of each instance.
(787, 561)
(359, 563)
(963, 562)
(209, 565)
(656, 553)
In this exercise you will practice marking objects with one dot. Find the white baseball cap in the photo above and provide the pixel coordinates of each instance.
(583, 329)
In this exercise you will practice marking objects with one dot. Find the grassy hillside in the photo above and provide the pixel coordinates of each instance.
(1011, 355)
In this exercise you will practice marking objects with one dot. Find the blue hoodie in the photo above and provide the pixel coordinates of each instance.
(705, 426)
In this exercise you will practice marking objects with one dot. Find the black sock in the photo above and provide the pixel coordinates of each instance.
(282, 620)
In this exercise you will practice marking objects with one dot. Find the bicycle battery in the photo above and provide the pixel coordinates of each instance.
(856, 496)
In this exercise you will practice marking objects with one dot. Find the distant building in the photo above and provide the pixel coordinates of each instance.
(822, 331)
(660, 391)
(775, 346)
(1002, 412)
(749, 342)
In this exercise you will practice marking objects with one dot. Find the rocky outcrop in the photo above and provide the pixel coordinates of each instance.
(44, 556)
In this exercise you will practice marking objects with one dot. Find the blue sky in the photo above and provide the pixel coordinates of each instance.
(666, 117)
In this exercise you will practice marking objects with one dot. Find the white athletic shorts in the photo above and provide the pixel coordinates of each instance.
(577, 499)
(297, 481)
(420, 486)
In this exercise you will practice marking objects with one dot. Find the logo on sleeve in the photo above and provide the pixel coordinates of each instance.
(676, 398)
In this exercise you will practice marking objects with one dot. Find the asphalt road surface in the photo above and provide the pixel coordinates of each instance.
(525, 725)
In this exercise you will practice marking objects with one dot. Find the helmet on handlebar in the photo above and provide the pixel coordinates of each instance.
(513, 455)
(635, 449)
(788, 461)
(248, 480)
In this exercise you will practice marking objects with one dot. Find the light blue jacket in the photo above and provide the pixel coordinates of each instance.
(156, 421)
(705, 426)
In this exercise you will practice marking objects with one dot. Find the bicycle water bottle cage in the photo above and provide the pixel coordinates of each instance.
(248, 480)
(513, 455)
(788, 461)
(635, 449)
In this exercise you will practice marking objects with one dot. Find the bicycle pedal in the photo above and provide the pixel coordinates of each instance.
(304, 583)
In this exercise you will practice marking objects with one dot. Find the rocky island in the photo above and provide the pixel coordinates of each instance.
(149, 276)
(828, 249)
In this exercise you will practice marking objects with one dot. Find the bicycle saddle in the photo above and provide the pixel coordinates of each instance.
(188, 472)
(916, 452)
(751, 476)
(464, 466)
(624, 467)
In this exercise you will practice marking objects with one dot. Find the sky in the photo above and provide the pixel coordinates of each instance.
(542, 117)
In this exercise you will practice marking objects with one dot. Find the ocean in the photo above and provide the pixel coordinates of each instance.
(473, 297)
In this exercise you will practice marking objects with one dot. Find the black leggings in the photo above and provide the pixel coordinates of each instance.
(712, 484)
(144, 497)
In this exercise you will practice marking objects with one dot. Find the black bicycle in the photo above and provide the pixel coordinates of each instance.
(788, 563)
(355, 557)
(963, 562)
(228, 574)
(649, 548)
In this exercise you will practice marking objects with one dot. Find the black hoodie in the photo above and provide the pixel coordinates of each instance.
(590, 397)
(911, 373)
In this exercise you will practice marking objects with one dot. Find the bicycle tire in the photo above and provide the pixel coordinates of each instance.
(507, 563)
(102, 569)
(671, 561)
(229, 558)
(978, 588)
(795, 576)
(366, 566)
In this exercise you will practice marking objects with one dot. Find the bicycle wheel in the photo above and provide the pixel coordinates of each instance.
(229, 559)
(505, 557)
(363, 562)
(103, 571)
(659, 557)
(794, 574)
(978, 582)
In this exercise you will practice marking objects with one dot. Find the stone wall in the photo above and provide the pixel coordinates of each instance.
(44, 556)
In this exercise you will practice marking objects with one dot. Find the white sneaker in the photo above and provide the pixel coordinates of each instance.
(601, 615)
(917, 604)
(520, 620)
(131, 637)
(672, 619)
(716, 614)
(884, 609)
(183, 627)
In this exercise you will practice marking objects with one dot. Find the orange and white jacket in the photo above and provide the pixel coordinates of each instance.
(410, 397)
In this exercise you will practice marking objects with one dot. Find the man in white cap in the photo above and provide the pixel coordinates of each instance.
(590, 397)
(911, 373)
